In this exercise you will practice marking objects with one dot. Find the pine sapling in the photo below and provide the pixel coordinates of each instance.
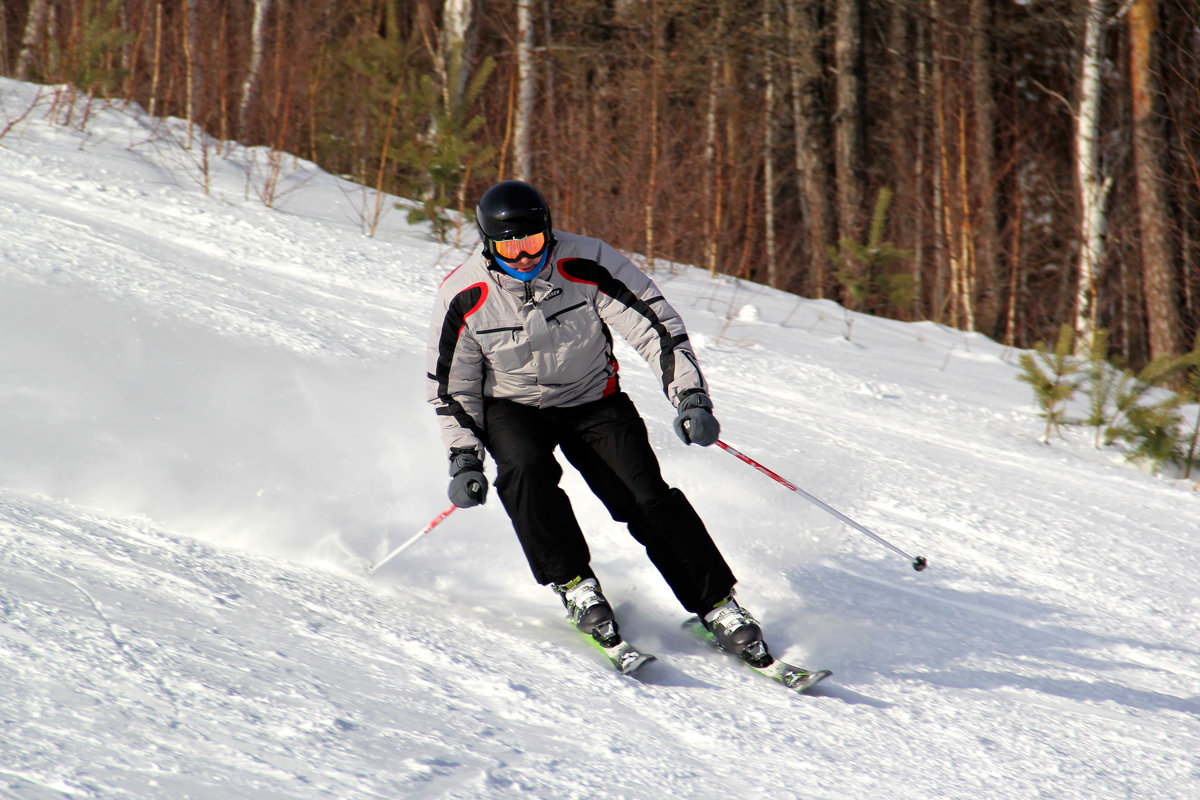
(867, 270)
(1051, 374)
(1100, 380)
(1151, 428)
(1153, 433)
(1191, 458)
(1191, 395)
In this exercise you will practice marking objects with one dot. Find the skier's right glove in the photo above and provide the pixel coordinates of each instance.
(468, 484)
(695, 423)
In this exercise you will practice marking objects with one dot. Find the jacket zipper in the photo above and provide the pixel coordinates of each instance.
(558, 314)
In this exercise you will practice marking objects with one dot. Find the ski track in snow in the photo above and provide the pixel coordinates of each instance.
(212, 418)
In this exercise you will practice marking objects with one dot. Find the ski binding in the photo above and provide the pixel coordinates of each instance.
(624, 657)
(798, 679)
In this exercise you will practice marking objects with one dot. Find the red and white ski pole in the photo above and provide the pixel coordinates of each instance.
(432, 524)
(918, 563)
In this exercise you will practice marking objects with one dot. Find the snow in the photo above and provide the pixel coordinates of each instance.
(212, 419)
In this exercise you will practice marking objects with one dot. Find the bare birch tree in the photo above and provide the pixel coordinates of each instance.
(454, 63)
(1093, 185)
(526, 91)
(250, 84)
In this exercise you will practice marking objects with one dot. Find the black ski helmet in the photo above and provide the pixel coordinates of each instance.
(510, 210)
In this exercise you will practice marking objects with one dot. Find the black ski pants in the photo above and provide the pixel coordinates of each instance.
(606, 441)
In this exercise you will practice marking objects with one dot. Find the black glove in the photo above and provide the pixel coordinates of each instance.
(468, 485)
(695, 423)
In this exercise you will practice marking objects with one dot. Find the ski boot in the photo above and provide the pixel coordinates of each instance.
(737, 632)
(588, 609)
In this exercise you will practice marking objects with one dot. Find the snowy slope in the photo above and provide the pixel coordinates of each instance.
(212, 418)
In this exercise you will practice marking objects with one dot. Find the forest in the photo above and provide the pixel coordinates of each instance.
(1000, 166)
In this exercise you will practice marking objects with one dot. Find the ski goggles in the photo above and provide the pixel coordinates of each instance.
(512, 249)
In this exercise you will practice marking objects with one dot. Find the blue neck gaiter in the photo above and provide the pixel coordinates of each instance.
(523, 276)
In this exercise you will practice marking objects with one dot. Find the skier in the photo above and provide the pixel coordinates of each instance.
(521, 362)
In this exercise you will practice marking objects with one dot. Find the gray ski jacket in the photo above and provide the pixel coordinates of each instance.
(547, 343)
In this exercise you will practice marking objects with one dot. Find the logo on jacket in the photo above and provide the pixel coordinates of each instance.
(555, 292)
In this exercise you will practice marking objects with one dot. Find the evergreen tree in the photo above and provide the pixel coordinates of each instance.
(1052, 374)
(449, 154)
(865, 270)
(1151, 428)
(1100, 382)
(1190, 391)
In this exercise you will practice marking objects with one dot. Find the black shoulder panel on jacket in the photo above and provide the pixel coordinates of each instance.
(464, 304)
(582, 270)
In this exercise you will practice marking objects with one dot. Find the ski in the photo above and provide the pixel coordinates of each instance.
(798, 679)
(624, 657)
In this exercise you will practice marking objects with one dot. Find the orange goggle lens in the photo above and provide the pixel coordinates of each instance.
(512, 249)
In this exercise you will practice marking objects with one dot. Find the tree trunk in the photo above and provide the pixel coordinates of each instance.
(261, 7)
(193, 75)
(1093, 187)
(812, 165)
(156, 69)
(656, 55)
(921, 308)
(945, 263)
(848, 120)
(455, 61)
(4, 40)
(1158, 257)
(35, 26)
(713, 196)
(527, 87)
(983, 169)
(768, 149)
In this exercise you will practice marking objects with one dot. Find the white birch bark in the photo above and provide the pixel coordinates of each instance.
(452, 61)
(456, 50)
(249, 86)
(526, 90)
(1093, 187)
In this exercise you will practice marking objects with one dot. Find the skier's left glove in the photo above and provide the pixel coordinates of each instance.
(695, 423)
(468, 484)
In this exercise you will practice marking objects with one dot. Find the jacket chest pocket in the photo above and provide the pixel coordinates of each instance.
(574, 325)
(577, 339)
(506, 348)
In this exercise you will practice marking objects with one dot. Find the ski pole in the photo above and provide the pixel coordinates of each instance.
(918, 563)
(432, 524)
